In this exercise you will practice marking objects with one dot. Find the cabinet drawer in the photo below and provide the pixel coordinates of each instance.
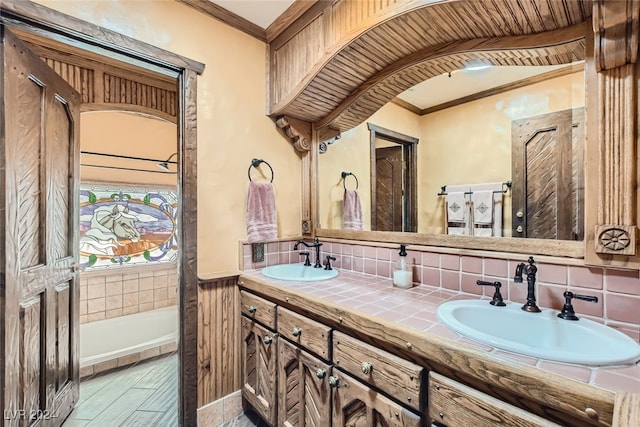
(258, 309)
(389, 373)
(455, 404)
(309, 334)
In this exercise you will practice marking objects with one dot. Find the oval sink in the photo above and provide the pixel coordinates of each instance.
(541, 335)
(298, 272)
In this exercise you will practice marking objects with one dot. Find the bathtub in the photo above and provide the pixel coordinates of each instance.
(110, 343)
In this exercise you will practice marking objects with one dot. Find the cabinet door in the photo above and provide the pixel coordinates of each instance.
(259, 357)
(303, 388)
(356, 405)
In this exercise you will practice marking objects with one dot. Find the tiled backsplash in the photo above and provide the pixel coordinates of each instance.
(618, 291)
(112, 293)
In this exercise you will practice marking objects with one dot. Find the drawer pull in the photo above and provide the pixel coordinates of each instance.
(334, 382)
(366, 368)
(296, 332)
(252, 309)
(267, 340)
(321, 373)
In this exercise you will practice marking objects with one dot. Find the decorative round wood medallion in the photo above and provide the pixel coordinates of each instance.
(614, 239)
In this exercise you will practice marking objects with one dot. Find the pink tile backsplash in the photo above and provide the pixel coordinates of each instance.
(618, 291)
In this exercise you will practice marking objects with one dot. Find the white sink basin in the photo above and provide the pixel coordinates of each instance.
(298, 272)
(541, 335)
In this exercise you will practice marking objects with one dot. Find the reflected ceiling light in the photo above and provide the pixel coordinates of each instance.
(477, 66)
(165, 165)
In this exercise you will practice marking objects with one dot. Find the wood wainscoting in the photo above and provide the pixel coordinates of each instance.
(218, 337)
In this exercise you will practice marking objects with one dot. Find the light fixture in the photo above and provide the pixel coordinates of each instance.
(165, 165)
(477, 66)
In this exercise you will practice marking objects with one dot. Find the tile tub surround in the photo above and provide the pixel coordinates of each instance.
(416, 308)
(112, 293)
(618, 291)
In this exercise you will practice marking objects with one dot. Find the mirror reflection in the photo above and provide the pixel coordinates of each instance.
(502, 159)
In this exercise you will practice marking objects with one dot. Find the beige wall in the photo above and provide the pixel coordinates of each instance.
(469, 143)
(232, 126)
(130, 135)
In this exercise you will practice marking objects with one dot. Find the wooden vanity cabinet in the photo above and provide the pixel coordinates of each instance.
(452, 404)
(259, 358)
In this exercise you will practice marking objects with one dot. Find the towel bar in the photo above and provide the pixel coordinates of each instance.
(505, 188)
(255, 163)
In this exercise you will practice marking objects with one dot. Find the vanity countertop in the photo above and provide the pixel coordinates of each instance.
(415, 309)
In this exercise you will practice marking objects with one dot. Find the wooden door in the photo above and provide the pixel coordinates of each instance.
(548, 183)
(39, 153)
(356, 405)
(259, 356)
(388, 189)
(304, 397)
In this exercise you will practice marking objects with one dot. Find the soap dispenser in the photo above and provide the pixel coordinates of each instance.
(403, 270)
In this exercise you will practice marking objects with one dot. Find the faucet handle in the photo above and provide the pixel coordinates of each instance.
(330, 258)
(497, 296)
(567, 312)
(306, 260)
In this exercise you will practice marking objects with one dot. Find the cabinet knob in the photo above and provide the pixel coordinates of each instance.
(252, 309)
(267, 340)
(519, 229)
(334, 382)
(321, 373)
(366, 368)
(520, 214)
(296, 332)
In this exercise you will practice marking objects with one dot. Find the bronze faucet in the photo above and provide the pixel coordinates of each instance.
(315, 245)
(530, 270)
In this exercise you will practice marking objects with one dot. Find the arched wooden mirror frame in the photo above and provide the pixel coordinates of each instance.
(58, 39)
(338, 87)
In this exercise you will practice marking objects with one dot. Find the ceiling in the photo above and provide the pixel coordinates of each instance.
(435, 91)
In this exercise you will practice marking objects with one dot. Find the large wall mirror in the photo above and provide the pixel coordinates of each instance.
(518, 128)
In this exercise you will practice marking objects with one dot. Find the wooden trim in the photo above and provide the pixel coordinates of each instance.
(286, 20)
(574, 68)
(557, 248)
(626, 409)
(615, 26)
(316, 8)
(407, 105)
(87, 36)
(218, 339)
(223, 15)
(188, 262)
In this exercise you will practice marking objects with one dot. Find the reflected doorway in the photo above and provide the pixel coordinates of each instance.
(393, 180)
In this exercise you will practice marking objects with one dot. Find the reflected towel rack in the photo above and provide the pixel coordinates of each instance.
(505, 188)
(255, 163)
(344, 179)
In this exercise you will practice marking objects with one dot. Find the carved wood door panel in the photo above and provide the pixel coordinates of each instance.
(303, 389)
(356, 405)
(38, 243)
(388, 189)
(547, 171)
(259, 356)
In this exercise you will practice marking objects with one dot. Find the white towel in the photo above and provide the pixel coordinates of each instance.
(456, 207)
(483, 231)
(261, 212)
(457, 231)
(482, 207)
(351, 211)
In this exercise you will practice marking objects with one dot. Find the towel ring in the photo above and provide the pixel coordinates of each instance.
(255, 163)
(344, 179)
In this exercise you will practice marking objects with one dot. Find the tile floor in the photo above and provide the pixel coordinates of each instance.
(144, 394)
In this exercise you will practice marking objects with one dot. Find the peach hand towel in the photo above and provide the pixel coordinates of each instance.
(351, 211)
(261, 212)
